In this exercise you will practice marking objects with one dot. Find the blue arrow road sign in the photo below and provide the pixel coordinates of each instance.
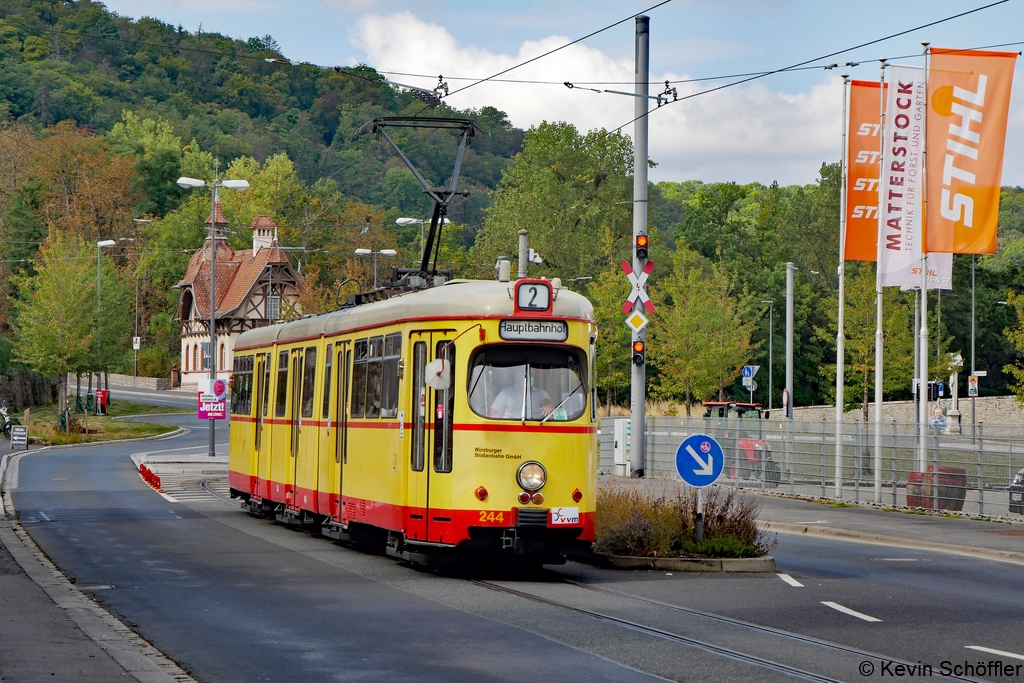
(700, 460)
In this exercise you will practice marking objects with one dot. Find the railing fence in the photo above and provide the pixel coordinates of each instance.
(953, 471)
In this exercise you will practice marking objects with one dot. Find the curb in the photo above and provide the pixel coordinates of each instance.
(728, 565)
(4, 459)
(860, 537)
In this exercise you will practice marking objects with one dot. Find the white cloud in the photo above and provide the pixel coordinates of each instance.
(745, 133)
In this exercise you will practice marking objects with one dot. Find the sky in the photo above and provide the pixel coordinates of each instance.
(778, 128)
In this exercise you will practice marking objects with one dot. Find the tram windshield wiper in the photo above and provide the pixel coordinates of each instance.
(562, 402)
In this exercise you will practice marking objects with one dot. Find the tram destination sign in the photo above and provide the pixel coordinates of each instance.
(533, 330)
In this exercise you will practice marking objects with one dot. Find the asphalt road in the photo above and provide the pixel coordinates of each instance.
(234, 598)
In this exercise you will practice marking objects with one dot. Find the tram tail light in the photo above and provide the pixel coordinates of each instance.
(538, 498)
(481, 493)
(524, 497)
(577, 496)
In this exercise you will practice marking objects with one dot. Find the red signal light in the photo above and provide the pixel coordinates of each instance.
(481, 493)
(639, 349)
(524, 497)
(577, 495)
(641, 247)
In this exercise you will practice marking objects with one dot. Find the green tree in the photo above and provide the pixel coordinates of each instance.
(151, 142)
(572, 192)
(607, 292)
(54, 319)
(699, 341)
(859, 332)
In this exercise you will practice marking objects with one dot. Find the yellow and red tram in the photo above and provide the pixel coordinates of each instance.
(449, 422)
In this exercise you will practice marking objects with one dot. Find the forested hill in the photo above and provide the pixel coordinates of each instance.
(76, 61)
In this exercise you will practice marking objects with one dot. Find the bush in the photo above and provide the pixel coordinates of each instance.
(636, 522)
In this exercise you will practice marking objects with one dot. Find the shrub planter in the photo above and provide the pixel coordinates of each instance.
(763, 564)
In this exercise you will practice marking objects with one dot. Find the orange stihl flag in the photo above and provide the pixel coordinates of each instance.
(968, 104)
(862, 164)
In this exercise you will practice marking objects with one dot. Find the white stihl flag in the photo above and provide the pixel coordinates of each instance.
(900, 202)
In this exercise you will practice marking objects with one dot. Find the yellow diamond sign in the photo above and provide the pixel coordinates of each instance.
(636, 321)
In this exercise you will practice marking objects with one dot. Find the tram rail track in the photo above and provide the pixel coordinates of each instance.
(704, 646)
(729, 653)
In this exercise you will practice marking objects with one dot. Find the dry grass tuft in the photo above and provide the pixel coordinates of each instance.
(643, 523)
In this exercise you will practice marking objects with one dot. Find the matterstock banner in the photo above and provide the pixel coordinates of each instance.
(862, 166)
(900, 207)
(969, 101)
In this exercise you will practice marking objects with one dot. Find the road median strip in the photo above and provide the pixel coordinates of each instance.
(879, 539)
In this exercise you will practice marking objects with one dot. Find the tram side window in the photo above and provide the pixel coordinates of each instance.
(241, 390)
(266, 383)
(327, 381)
(282, 384)
(443, 433)
(359, 378)
(389, 396)
(308, 382)
(373, 376)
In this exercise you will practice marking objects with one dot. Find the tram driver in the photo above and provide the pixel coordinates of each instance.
(508, 405)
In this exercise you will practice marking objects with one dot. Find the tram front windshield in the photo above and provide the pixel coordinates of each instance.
(522, 382)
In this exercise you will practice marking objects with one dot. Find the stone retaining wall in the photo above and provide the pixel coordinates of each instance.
(159, 383)
(1003, 410)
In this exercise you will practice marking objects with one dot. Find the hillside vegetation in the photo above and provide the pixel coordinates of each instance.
(99, 115)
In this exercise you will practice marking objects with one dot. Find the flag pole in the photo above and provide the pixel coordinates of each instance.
(923, 385)
(879, 336)
(840, 334)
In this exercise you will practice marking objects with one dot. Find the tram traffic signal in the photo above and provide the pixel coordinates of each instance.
(639, 352)
(641, 247)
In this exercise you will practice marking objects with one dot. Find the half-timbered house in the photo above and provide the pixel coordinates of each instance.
(254, 287)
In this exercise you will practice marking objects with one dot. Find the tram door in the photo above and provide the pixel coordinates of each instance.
(334, 439)
(294, 427)
(307, 436)
(430, 448)
(261, 445)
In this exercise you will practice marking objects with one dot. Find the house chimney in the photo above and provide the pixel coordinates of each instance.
(263, 232)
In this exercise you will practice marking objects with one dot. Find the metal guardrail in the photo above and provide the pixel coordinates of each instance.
(977, 468)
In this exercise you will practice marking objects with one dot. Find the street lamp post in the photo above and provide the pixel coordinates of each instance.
(102, 244)
(214, 186)
(771, 315)
(375, 254)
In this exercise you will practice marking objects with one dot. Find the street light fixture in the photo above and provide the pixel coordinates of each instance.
(214, 186)
(412, 221)
(375, 254)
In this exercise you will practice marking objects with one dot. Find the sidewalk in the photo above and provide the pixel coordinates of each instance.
(988, 539)
(37, 639)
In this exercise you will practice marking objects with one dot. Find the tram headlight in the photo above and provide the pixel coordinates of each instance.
(532, 476)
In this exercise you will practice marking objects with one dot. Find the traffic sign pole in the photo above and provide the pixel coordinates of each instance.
(700, 461)
(638, 372)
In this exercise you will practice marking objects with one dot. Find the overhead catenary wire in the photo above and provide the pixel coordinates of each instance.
(816, 59)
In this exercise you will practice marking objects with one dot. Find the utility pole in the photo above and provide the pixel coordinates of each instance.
(638, 376)
(841, 320)
(790, 268)
(771, 334)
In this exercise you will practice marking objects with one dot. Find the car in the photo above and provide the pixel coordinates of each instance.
(1017, 494)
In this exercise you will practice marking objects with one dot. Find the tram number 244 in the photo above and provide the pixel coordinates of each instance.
(492, 516)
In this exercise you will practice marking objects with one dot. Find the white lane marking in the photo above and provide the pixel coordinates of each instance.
(790, 580)
(173, 500)
(989, 650)
(902, 559)
(43, 515)
(846, 610)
